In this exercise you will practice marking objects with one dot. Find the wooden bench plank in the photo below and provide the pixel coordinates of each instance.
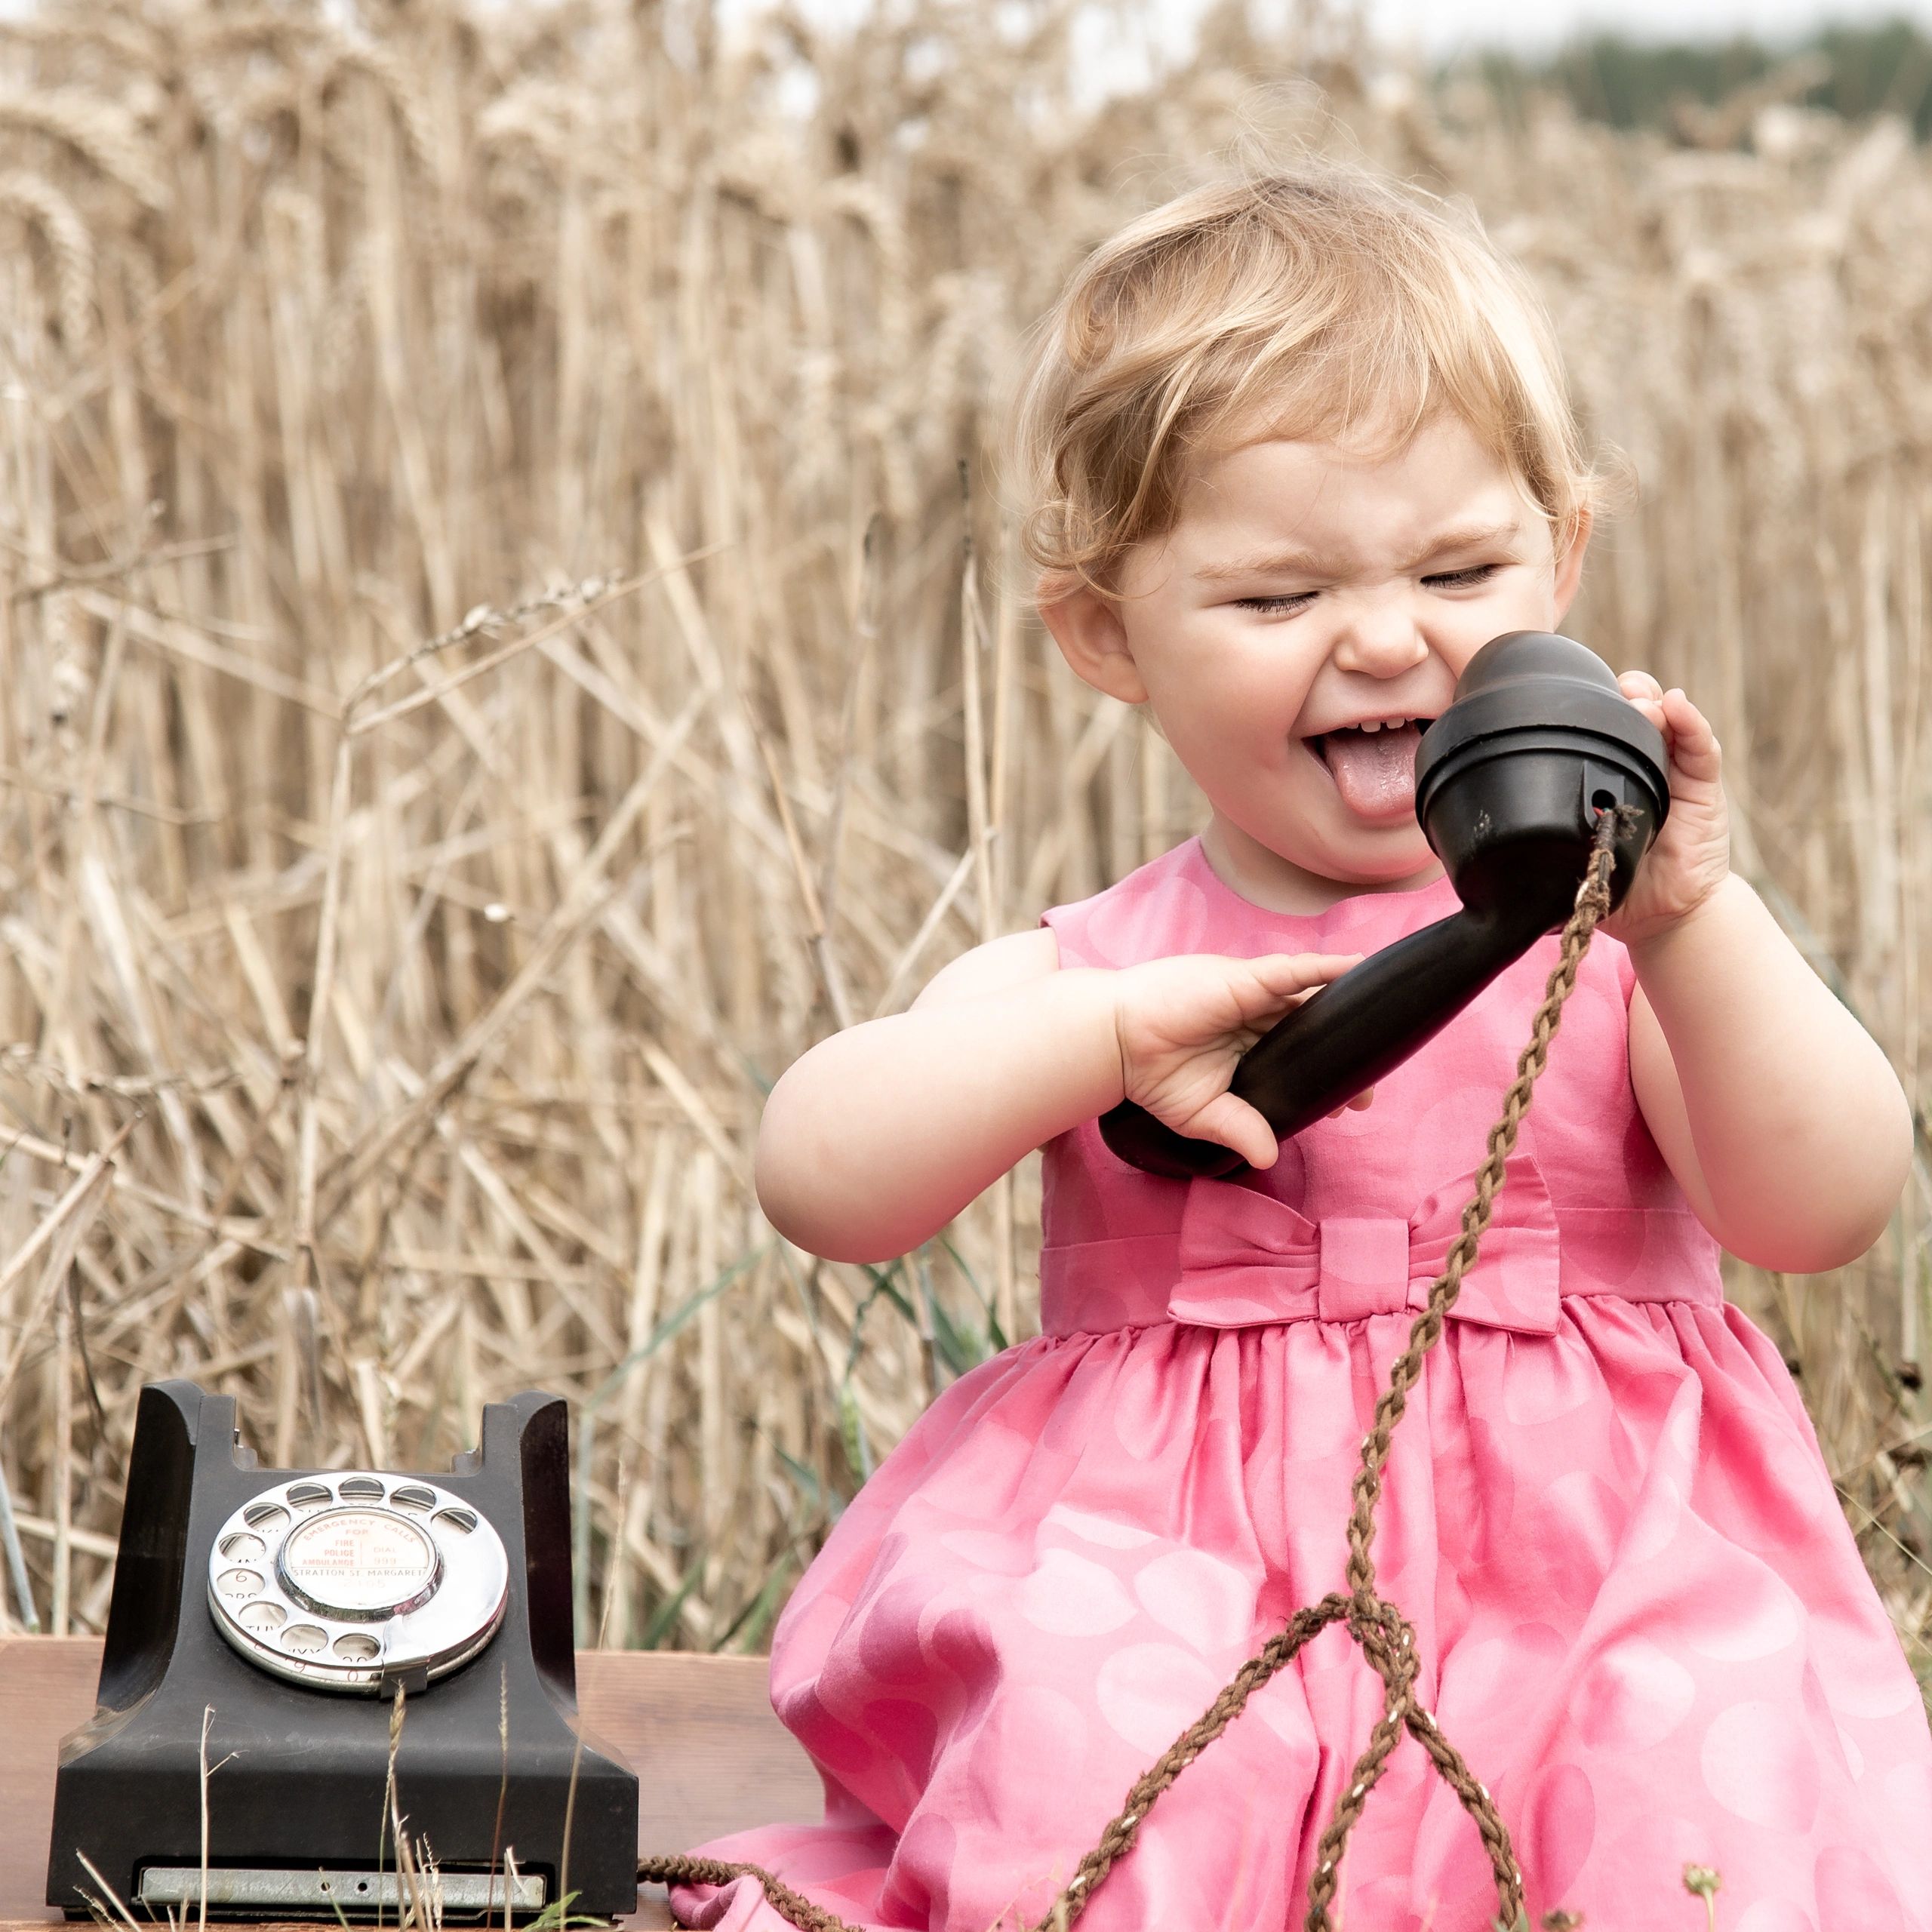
(698, 1731)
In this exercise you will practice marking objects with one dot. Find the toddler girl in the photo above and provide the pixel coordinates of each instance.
(1301, 446)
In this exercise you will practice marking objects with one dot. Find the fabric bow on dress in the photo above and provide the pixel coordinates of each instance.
(1247, 1258)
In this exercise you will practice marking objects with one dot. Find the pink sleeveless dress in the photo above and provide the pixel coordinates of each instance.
(1641, 1616)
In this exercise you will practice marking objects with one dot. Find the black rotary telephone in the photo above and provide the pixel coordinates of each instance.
(1509, 783)
(270, 1620)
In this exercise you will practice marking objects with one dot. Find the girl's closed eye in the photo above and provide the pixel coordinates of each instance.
(1283, 605)
(1288, 603)
(1467, 578)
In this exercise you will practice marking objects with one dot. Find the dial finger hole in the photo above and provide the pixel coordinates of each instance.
(242, 1548)
(354, 1648)
(306, 1495)
(461, 1521)
(359, 1489)
(263, 1617)
(304, 1639)
(266, 1517)
(408, 1496)
(239, 1583)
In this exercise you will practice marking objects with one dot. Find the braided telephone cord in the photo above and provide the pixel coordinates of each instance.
(1387, 1638)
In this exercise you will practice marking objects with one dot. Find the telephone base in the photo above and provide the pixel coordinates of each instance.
(485, 1764)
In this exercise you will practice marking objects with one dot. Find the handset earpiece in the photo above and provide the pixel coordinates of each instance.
(1510, 781)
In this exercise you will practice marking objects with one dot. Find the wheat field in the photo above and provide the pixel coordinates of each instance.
(510, 629)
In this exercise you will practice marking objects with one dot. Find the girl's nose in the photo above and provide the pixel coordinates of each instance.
(1380, 639)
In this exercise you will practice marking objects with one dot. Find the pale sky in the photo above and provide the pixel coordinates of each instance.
(1443, 25)
(1122, 46)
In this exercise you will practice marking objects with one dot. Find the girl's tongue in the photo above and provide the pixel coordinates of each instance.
(1374, 771)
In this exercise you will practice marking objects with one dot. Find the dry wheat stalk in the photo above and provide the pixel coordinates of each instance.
(448, 1036)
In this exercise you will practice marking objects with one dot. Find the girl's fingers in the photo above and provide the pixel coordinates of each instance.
(1279, 980)
(1300, 972)
(1301, 976)
(1648, 695)
(1236, 1124)
(1693, 745)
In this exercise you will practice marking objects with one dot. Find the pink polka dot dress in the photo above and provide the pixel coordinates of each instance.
(1642, 1618)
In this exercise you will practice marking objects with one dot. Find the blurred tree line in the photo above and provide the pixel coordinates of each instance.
(1853, 70)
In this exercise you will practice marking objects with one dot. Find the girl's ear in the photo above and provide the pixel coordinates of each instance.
(1570, 565)
(1092, 639)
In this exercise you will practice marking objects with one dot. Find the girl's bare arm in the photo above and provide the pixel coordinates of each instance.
(876, 1137)
(1778, 1113)
(879, 1135)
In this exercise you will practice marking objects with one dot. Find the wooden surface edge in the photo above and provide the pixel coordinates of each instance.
(711, 1757)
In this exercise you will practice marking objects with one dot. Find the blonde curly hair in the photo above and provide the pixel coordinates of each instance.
(1315, 304)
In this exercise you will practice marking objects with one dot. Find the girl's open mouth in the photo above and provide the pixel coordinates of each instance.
(1373, 766)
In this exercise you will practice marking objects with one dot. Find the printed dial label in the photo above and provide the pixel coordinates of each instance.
(359, 1562)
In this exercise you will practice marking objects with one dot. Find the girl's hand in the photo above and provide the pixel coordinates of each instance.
(1182, 1023)
(1691, 858)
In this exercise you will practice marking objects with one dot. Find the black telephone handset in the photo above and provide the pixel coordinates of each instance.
(1509, 783)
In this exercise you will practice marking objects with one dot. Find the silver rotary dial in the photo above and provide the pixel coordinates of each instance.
(342, 1580)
